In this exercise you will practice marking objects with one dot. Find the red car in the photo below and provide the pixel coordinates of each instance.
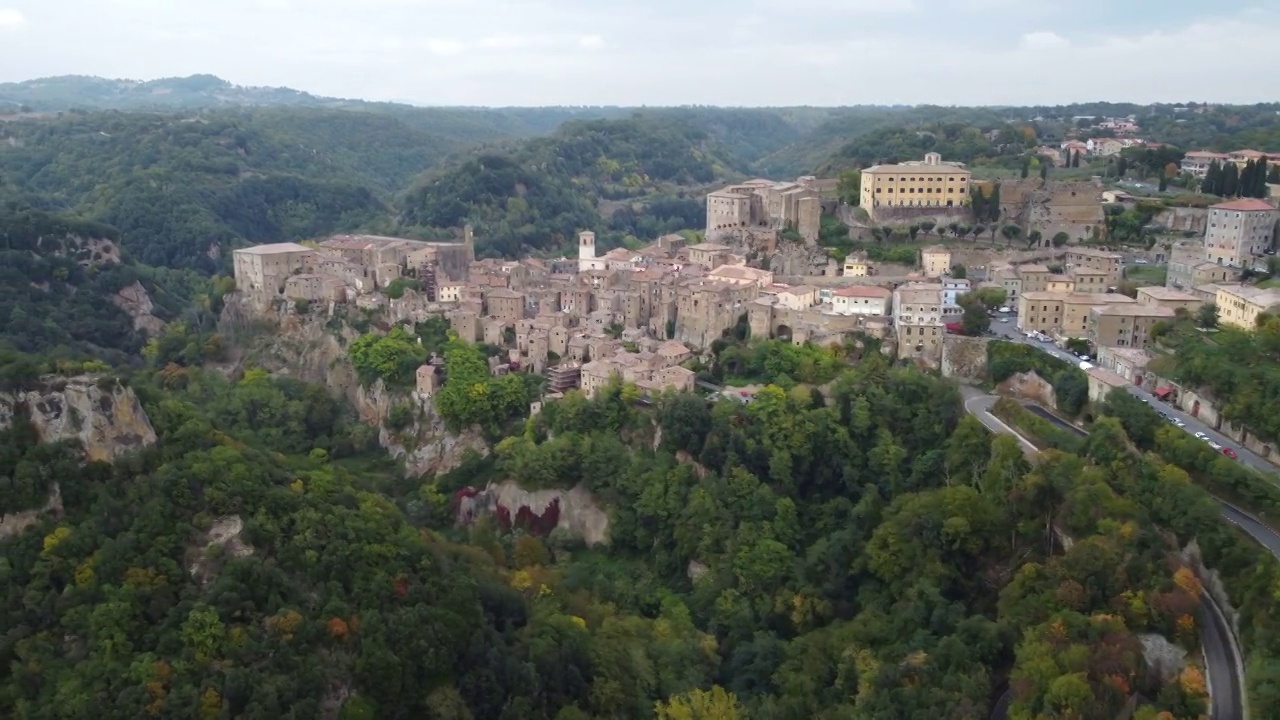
(1228, 452)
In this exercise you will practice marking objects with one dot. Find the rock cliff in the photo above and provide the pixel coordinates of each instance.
(573, 511)
(104, 416)
(135, 301)
(312, 347)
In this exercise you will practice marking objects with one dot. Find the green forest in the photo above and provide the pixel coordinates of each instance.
(189, 168)
(863, 551)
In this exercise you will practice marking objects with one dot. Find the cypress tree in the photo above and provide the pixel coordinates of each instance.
(1231, 181)
(1026, 167)
(1274, 175)
(1260, 179)
(1212, 183)
(1245, 185)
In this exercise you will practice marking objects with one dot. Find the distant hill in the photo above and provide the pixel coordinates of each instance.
(641, 176)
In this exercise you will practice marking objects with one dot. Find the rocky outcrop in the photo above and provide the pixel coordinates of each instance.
(1029, 386)
(312, 347)
(135, 301)
(427, 446)
(223, 540)
(541, 512)
(102, 415)
(15, 523)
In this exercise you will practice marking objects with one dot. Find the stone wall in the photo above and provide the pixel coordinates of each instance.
(574, 511)
(895, 215)
(1182, 219)
(965, 358)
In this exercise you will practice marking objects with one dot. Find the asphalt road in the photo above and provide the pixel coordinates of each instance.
(1009, 331)
(1223, 661)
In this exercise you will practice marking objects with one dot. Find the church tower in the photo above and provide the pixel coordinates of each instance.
(587, 252)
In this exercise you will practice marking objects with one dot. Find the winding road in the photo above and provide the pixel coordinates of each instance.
(1223, 661)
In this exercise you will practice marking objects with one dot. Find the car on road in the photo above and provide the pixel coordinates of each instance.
(1004, 309)
(1178, 422)
(1229, 452)
(1002, 320)
(1199, 435)
(1140, 261)
(1215, 445)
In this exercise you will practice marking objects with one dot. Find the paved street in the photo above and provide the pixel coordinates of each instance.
(1009, 331)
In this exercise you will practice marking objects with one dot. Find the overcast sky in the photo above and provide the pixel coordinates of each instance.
(668, 52)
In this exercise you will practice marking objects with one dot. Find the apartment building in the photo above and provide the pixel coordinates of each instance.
(917, 310)
(1110, 263)
(936, 261)
(1089, 280)
(1240, 305)
(1040, 311)
(1239, 231)
(1169, 298)
(861, 300)
(1125, 326)
(1077, 306)
(1035, 278)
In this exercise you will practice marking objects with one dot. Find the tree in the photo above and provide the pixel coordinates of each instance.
(913, 230)
(927, 226)
(977, 230)
(1010, 232)
(975, 320)
(1122, 166)
(1230, 180)
(1060, 238)
(1273, 177)
(1164, 183)
(1207, 316)
(959, 272)
(1044, 169)
(1033, 238)
(1026, 167)
(850, 186)
(713, 704)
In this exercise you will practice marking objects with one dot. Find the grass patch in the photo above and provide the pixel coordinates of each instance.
(1040, 432)
(1147, 274)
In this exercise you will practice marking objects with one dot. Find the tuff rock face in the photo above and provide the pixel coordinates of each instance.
(574, 511)
(312, 349)
(135, 301)
(104, 416)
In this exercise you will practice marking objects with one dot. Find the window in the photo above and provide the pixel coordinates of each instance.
(961, 191)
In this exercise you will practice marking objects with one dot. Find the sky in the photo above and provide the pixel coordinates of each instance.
(668, 52)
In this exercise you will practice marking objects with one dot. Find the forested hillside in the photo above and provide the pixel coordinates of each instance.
(869, 554)
(537, 197)
(58, 278)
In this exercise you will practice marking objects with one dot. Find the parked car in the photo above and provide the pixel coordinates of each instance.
(1140, 261)
(1215, 445)
(1179, 423)
(1201, 436)
(1228, 452)
(1004, 309)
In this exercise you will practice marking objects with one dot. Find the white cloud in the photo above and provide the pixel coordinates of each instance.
(1044, 40)
(445, 48)
(727, 52)
(10, 18)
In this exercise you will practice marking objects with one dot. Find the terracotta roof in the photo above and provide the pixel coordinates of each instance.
(1244, 205)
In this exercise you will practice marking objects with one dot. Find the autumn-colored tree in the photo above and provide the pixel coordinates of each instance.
(338, 628)
(714, 704)
(529, 551)
(1187, 580)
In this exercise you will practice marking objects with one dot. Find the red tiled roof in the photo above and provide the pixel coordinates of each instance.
(1245, 205)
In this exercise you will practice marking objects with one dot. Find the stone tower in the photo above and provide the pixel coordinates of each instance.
(587, 252)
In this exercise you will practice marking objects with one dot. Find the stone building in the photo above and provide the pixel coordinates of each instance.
(1170, 298)
(1110, 263)
(861, 300)
(1034, 278)
(1188, 269)
(1240, 305)
(1125, 326)
(706, 308)
(315, 288)
(760, 204)
(264, 268)
(507, 306)
(1239, 232)
(931, 183)
(917, 312)
(709, 255)
(936, 261)
(587, 259)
